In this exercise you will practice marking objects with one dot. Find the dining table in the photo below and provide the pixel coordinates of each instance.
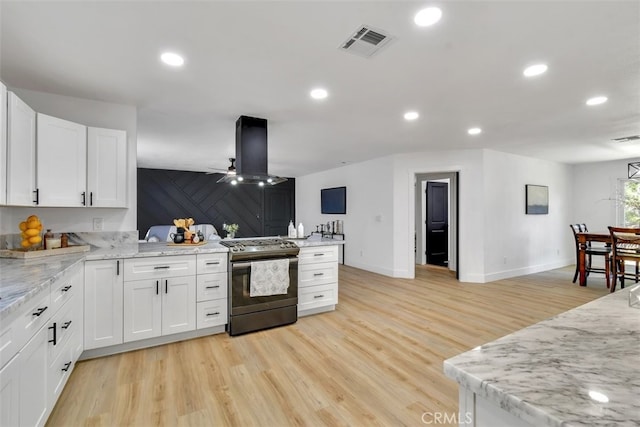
(583, 240)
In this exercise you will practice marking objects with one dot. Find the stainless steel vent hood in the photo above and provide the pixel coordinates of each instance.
(251, 154)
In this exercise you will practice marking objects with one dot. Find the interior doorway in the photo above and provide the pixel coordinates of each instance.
(436, 219)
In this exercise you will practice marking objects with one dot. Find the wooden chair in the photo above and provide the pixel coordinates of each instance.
(626, 247)
(604, 251)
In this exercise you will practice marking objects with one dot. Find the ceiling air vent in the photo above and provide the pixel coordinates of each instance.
(366, 41)
(627, 138)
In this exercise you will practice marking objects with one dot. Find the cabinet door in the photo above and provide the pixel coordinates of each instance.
(33, 380)
(61, 162)
(107, 167)
(10, 393)
(142, 309)
(3, 144)
(178, 304)
(21, 152)
(103, 303)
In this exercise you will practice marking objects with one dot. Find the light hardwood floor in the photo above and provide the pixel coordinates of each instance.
(376, 360)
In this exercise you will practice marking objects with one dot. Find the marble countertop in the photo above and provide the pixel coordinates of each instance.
(21, 280)
(546, 374)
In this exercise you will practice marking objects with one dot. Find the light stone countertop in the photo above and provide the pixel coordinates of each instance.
(543, 374)
(22, 280)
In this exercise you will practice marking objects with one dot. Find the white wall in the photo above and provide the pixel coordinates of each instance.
(368, 224)
(595, 188)
(90, 113)
(515, 243)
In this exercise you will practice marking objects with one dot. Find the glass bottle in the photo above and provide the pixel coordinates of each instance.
(64, 240)
(48, 235)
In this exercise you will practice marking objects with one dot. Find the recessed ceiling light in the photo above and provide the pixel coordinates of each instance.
(172, 59)
(597, 100)
(474, 131)
(535, 70)
(411, 115)
(319, 93)
(427, 16)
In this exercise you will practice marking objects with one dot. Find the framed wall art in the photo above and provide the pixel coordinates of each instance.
(537, 197)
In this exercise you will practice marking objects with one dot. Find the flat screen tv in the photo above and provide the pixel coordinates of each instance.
(333, 200)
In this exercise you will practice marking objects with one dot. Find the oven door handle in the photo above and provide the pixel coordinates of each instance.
(236, 265)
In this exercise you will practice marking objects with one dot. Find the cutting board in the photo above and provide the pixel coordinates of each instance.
(25, 254)
(187, 244)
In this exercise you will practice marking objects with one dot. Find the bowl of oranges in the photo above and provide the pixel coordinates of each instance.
(31, 233)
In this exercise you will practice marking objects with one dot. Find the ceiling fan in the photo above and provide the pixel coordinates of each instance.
(231, 170)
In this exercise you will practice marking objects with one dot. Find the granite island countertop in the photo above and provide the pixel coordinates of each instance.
(544, 374)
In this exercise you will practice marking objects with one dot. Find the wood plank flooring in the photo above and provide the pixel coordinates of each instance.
(376, 360)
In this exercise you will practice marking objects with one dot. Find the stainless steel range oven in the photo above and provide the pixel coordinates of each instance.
(252, 313)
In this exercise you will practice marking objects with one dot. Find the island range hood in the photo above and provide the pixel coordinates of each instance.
(251, 154)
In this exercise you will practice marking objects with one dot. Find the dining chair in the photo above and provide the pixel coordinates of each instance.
(626, 247)
(604, 251)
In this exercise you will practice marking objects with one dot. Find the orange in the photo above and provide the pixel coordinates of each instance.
(35, 239)
(22, 226)
(33, 223)
(30, 232)
(25, 243)
(33, 217)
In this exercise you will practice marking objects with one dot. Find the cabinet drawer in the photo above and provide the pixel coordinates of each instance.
(159, 267)
(211, 263)
(317, 296)
(60, 368)
(65, 288)
(63, 324)
(211, 286)
(317, 274)
(211, 313)
(318, 254)
(24, 324)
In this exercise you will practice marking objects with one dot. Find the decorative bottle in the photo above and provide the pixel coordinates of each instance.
(48, 235)
(300, 231)
(292, 230)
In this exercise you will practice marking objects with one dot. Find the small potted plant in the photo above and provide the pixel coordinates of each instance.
(231, 230)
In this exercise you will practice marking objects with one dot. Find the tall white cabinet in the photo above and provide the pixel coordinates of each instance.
(107, 168)
(61, 163)
(3, 145)
(21, 152)
(103, 303)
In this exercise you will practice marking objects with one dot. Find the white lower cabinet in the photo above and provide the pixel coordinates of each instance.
(212, 290)
(34, 399)
(10, 393)
(103, 303)
(160, 305)
(317, 279)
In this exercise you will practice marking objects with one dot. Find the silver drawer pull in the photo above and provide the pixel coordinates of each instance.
(66, 288)
(161, 267)
(318, 254)
(212, 287)
(213, 314)
(318, 274)
(318, 296)
(213, 263)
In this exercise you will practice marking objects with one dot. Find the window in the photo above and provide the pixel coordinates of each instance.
(630, 202)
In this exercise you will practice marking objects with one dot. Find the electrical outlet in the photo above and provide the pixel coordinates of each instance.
(98, 224)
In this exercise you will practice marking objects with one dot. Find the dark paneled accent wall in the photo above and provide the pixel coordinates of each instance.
(259, 211)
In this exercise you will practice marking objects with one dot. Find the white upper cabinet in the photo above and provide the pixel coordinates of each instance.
(21, 152)
(107, 168)
(61, 162)
(3, 144)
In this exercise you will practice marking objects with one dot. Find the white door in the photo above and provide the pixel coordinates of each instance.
(10, 392)
(142, 309)
(61, 162)
(103, 303)
(33, 380)
(3, 145)
(107, 168)
(178, 304)
(21, 152)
